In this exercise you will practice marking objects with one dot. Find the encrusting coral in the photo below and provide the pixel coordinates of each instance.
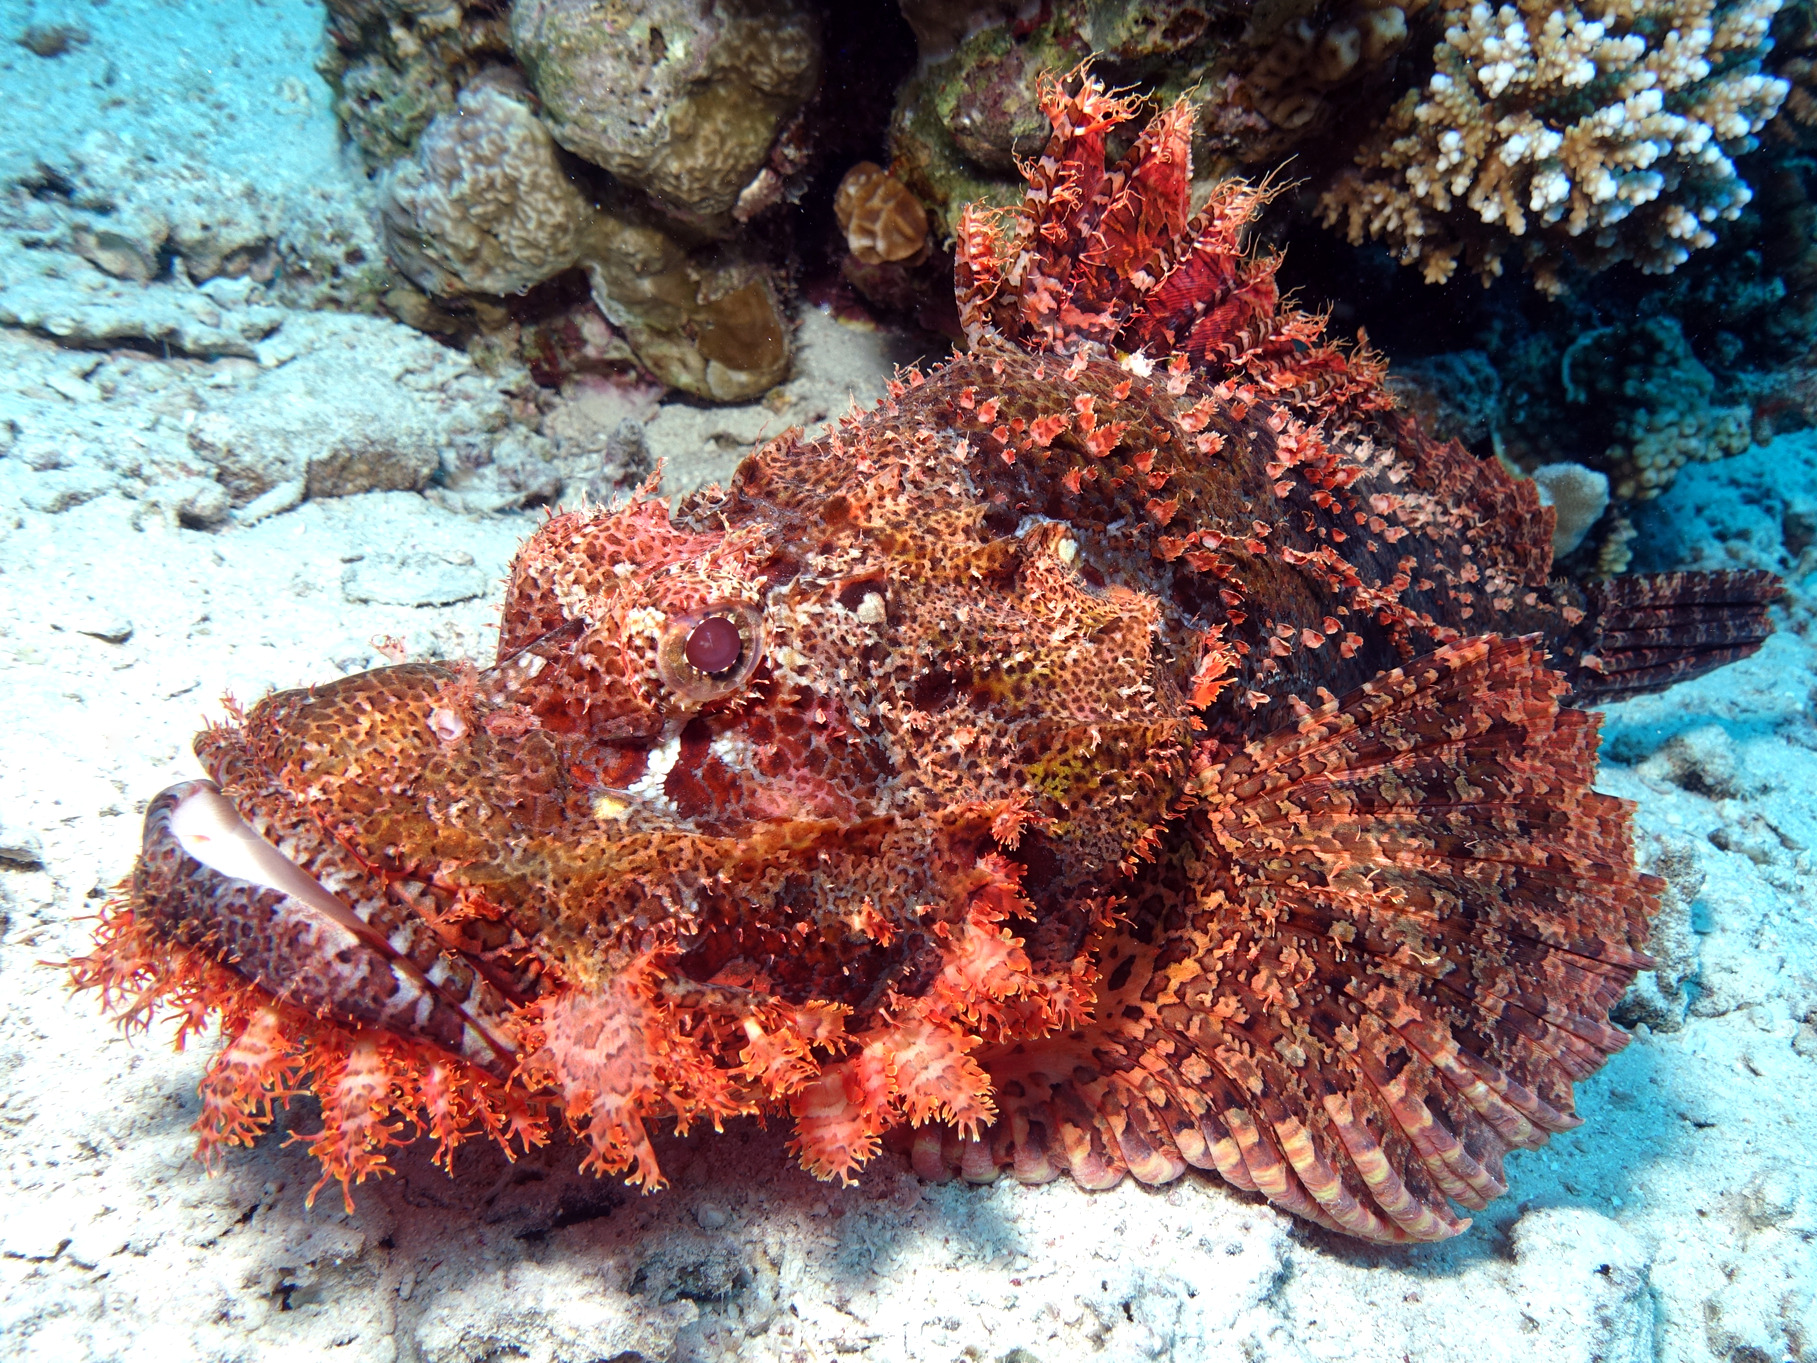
(1133, 745)
(1567, 136)
(397, 64)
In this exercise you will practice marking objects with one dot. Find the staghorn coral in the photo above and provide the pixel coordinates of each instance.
(680, 100)
(1130, 746)
(483, 205)
(1568, 137)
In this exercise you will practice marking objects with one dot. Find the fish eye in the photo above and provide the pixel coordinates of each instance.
(713, 645)
(708, 655)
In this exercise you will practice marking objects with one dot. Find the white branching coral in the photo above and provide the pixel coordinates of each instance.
(1566, 136)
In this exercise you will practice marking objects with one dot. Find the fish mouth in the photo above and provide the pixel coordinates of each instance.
(207, 878)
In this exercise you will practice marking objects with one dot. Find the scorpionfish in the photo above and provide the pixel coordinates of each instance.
(1133, 745)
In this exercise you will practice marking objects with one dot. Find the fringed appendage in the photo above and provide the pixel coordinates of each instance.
(918, 1063)
(377, 1090)
(1381, 959)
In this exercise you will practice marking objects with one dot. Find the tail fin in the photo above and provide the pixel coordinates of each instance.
(1378, 958)
(1643, 634)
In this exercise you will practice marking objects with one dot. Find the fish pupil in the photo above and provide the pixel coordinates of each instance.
(714, 644)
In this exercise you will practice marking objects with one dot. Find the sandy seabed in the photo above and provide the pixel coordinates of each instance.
(1675, 1224)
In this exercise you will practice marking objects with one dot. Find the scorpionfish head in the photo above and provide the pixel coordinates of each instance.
(833, 759)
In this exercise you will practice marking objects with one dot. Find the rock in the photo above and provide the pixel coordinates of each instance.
(74, 387)
(1804, 1040)
(1700, 760)
(274, 501)
(1659, 997)
(193, 503)
(57, 491)
(353, 404)
(35, 293)
(411, 580)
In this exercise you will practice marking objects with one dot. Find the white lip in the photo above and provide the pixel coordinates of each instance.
(208, 828)
(211, 830)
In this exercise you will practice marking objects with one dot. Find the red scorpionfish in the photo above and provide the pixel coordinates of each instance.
(1134, 744)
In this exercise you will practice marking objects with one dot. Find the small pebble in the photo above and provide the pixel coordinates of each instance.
(19, 847)
(709, 1216)
(101, 623)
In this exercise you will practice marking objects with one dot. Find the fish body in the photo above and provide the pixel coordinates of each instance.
(1132, 745)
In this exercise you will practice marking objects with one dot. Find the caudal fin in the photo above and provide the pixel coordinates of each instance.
(1643, 633)
(1377, 957)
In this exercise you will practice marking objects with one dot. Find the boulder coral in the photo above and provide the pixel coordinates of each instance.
(707, 322)
(1560, 136)
(485, 206)
(681, 100)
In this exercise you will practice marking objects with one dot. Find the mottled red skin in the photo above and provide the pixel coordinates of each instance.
(1022, 809)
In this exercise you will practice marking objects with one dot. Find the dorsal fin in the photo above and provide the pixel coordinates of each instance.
(1114, 258)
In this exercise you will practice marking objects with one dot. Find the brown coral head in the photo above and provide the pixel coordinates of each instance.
(882, 220)
(711, 655)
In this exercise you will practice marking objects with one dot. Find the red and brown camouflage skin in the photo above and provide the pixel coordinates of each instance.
(1147, 748)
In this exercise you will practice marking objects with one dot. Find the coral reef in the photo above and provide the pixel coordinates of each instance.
(1656, 401)
(396, 65)
(679, 99)
(1128, 747)
(1263, 80)
(483, 205)
(1566, 136)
